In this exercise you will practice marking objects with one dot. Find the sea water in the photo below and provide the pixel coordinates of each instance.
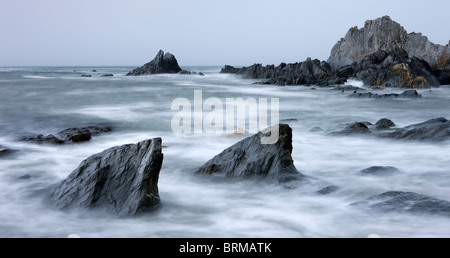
(46, 100)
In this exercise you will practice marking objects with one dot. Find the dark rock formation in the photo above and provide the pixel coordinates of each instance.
(162, 63)
(86, 75)
(385, 34)
(121, 180)
(391, 68)
(435, 130)
(406, 202)
(71, 135)
(310, 72)
(384, 123)
(380, 171)
(201, 74)
(443, 76)
(406, 94)
(251, 158)
(107, 75)
(94, 71)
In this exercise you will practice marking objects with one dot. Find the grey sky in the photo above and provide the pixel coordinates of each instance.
(197, 32)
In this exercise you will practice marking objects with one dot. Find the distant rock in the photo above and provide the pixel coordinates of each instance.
(434, 130)
(406, 202)
(348, 88)
(121, 180)
(201, 74)
(412, 94)
(251, 158)
(71, 135)
(309, 72)
(107, 75)
(380, 171)
(94, 71)
(162, 63)
(86, 75)
(316, 129)
(385, 34)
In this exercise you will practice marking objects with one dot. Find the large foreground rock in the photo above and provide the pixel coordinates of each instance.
(162, 63)
(385, 34)
(434, 130)
(309, 72)
(121, 180)
(251, 158)
(406, 202)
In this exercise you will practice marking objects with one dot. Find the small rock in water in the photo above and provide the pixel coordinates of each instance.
(86, 75)
(316, 129)
(380, 171)
(328, 190)
(107, 75)
(384, 123)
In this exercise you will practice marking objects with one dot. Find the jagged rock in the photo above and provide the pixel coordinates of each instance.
(121, 180)
(406, 94)
(380, 171)
(384, 123)
(392, 69)
(162, 63)
(107, 75)
(309, 72)
(71, 135)
(385, 34)
(251, 158)
(406, 202)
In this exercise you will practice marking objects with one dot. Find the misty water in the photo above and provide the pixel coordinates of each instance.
(48, 100)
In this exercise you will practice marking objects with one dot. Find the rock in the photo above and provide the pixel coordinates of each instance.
(309, 72)
(393, 69)
(348, 88)
(107, 75)
(406, 202)
(384, 123)
(436, 130)
(289, 120)
(71, 135)
(443, 76)
(328, 190)
(251, 158)
(121, 180)
(380, 171)
(86, 75)
(385, 34)
(405, 94)
(185, 72)
(24, 177)
(6, 152)
(201, 74)
(94, 71)
(162, 63)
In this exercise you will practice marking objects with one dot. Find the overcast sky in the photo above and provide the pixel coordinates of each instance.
(197, 32)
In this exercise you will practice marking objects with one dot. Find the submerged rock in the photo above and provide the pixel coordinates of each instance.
(380, 171)
(406, 202)
(162, 63)
(328, 190)
(86, 75)
(71, 135)
(107, 75)
(121, 180)
(251, 157)
(412, 94)
(6, 152)
(435, 130)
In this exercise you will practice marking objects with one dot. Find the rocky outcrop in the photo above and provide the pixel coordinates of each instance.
(121, 180)
(162, 63)
(386, 34)
(391, 68)
(6, 152)
(309, 72)
(252, 158)
(406, 202)
(71, 135)
(107, 75)
(435, 130)
(411, 94)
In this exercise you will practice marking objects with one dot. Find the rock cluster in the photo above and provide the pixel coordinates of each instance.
(71, 135)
